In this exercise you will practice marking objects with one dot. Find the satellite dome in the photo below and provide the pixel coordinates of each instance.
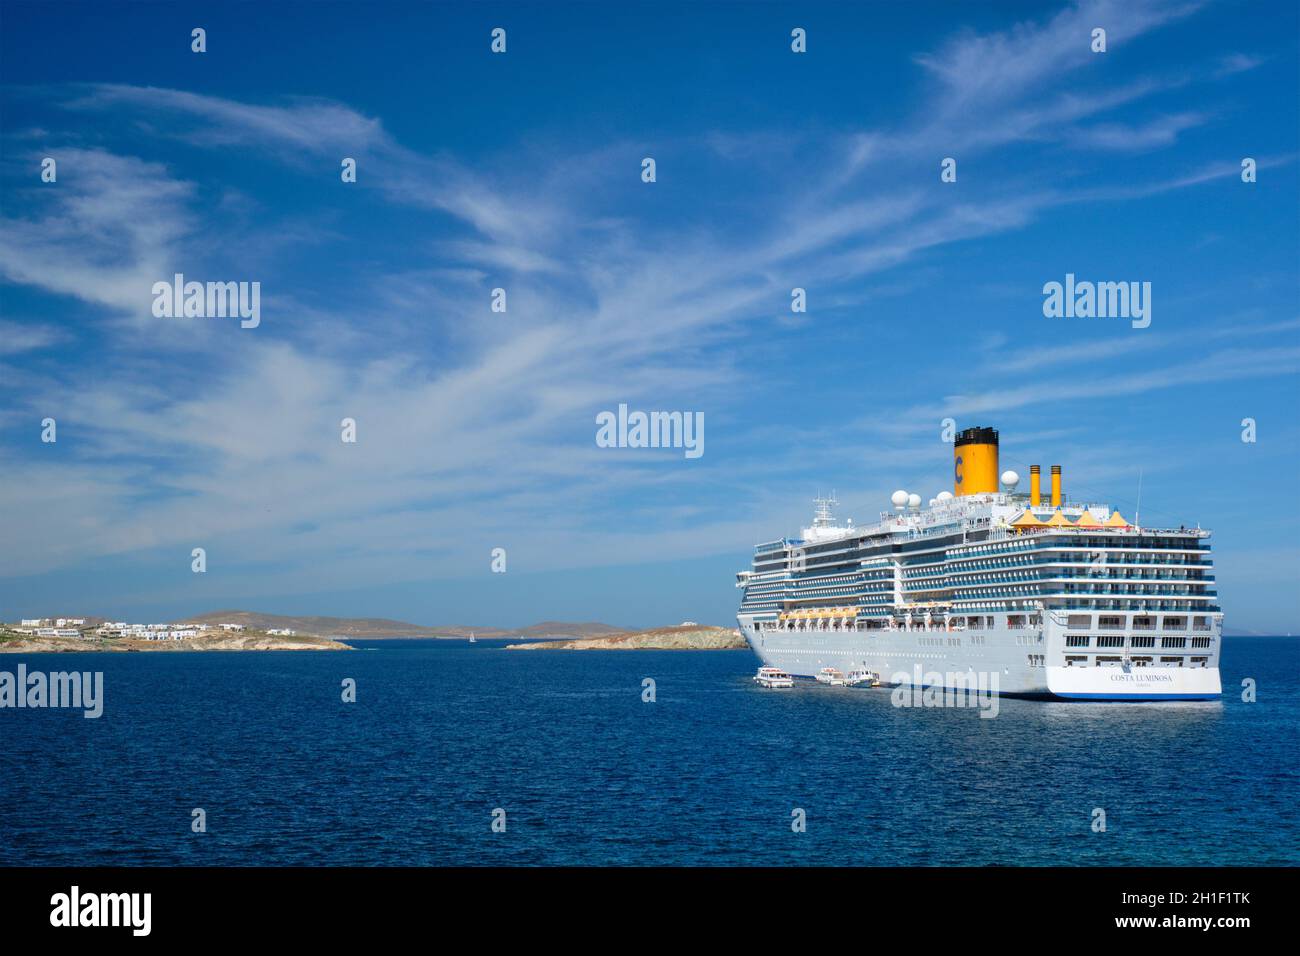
(914, 501)
(944, 496)
(933, 502)
(1010, 479)
(899, 498)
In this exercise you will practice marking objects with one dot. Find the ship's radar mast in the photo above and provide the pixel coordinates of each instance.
(822, 516)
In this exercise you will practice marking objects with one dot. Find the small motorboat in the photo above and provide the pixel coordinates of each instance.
(860, 678)
(829, 675)
(773, 677)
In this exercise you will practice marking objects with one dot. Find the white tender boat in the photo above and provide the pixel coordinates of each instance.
(861, 677)
(829, 675)
(773, 677)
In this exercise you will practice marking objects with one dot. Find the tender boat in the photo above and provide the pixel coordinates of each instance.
(861, 677)
(773, 677)
(829, 675)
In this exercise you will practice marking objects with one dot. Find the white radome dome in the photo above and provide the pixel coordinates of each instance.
(914, 501)
(899, 498)
(944, 496)
(1010, 479)
(933, 502)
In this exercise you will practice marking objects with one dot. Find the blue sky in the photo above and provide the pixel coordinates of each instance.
(521, 171)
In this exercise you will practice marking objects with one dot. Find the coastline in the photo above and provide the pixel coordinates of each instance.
(11, 643)
(688, 638)
(248, 631)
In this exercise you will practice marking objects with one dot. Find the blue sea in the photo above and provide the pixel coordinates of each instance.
(443, 733)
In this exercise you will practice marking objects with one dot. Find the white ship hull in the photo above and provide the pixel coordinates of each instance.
(998, 659)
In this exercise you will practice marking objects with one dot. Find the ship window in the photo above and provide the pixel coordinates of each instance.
(1176, 661)
(1079, 661)
(1080, 621)
(1077, 640)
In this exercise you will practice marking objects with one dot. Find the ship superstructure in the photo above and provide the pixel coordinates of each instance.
(1052, 597)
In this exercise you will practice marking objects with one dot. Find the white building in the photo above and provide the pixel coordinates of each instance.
(283, 632)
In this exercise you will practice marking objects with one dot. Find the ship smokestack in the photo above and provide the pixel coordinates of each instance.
(1056, 486)
(975, 462)
(1035, 485)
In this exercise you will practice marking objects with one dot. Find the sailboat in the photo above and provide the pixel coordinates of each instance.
(472, 639)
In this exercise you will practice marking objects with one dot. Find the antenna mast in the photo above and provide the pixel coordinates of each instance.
(822, 516)
(1137, 517)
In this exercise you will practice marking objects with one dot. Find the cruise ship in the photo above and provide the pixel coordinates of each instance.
(1033, 595)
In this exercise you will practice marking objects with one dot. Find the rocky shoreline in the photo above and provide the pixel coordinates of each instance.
(13, 643)
(684, 638)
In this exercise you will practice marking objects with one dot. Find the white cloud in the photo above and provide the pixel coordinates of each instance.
(101, 234)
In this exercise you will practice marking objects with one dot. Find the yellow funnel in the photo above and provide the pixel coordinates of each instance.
(975, 462)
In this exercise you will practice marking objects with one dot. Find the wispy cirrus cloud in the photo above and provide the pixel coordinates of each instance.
(18, 337)
(103, 234)
(985, 70)
(1140, 137)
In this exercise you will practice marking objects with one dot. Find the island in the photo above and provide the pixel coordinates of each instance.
(253, 631)
(683, 637)
(35, 638)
